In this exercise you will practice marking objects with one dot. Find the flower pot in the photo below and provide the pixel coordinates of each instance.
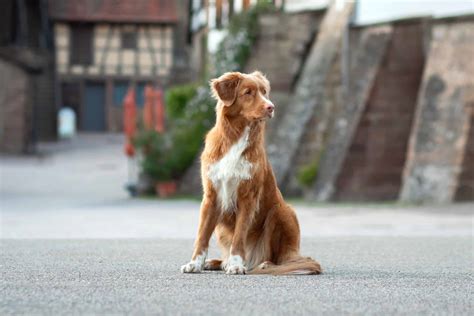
(166, 188)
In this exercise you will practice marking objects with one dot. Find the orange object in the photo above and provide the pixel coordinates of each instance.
(159, 112)
(129, 149)
(129, 120)
(153, 111)
(148, 108)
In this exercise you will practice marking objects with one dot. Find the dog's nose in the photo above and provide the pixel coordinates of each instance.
(270, 107)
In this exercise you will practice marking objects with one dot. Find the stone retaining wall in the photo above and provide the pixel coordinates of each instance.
(440, 132)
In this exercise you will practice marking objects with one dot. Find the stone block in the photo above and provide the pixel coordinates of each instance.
(440, 132)
(369, 47)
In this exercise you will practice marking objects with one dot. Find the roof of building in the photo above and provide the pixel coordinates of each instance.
(118, 11)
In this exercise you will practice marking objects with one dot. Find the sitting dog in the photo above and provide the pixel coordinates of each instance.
(255, 229)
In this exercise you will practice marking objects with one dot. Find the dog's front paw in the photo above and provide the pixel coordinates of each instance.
(237, 269)
(191, 267)
(235, 265)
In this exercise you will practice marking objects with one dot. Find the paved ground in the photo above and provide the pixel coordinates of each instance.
(72, 242)
(364, 275)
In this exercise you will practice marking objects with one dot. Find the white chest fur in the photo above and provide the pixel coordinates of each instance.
(227, 173)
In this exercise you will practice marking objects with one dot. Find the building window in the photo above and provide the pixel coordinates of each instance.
(129, 40)
(81, 44)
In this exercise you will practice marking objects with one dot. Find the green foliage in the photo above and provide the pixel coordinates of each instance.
(176, 99)
(308, 173)
(235, 48)
(190, 109)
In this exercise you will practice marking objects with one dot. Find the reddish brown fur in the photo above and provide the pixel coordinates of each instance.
(262, 227)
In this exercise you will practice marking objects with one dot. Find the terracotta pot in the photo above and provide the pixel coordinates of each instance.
(166, 188)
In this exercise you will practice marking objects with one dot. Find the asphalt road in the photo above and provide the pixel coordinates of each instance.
(73, 243)
(363, 276)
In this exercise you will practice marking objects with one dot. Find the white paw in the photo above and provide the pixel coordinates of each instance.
(264, 265)
(191, 267)
(235, 265)
(196, 265)
(236, 269)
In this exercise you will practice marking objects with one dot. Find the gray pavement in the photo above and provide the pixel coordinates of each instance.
(72, 242)
(363, 276)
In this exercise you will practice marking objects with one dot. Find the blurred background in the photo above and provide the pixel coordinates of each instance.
(104, 105)
(105, 99)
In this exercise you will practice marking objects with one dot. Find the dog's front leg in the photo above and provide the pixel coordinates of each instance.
(236, 260)
(207, 223)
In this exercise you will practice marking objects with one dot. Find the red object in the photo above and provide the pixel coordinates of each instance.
(148, 108)
(154, 111)
(159, 112)
(129, 120)
(166, 189)
(129, 149)
(132, 11)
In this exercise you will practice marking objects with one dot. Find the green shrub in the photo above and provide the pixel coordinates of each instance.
(176, 99)
(308, 173)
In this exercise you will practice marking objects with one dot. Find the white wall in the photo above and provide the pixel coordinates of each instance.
(373, 11)
(300, 5)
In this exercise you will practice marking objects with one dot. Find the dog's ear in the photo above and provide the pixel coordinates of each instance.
(225, 87)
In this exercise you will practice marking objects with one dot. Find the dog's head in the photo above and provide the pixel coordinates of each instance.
(245, 95)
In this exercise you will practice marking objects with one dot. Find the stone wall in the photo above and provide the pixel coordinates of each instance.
(15, 108)
(367, 48)
(465, 187)
(386, 111)
(309, 90)
(313, 140)
(441, 128)
(373, 166)
(45, 125)
(280, 51)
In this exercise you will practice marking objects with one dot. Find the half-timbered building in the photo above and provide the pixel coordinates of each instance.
(105, 46)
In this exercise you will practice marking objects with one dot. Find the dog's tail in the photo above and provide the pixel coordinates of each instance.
(297, 265)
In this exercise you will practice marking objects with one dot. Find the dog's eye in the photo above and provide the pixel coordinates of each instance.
(264, 92)
(247, 92)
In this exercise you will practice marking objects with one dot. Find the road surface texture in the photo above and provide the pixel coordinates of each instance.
(72, 242)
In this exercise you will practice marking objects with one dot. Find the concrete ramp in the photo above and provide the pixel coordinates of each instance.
(364, 64)
(309, 92)
(440, 132)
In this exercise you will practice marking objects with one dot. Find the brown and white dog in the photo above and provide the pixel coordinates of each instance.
(255, 229)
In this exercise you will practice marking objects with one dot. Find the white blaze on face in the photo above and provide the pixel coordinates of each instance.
(227, 173)
(267, 101)
(196, 265)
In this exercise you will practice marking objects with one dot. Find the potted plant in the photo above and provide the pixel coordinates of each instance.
(157, 161)
(165, 157)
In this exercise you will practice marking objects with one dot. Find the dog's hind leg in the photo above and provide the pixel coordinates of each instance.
(265, 265)
(213, 265)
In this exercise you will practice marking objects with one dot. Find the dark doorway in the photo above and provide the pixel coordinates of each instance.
(93, 112)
